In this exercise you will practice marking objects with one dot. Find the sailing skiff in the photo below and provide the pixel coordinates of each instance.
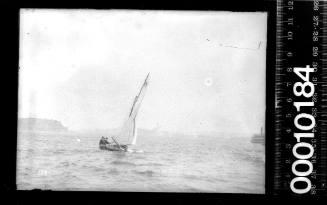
(128, 133)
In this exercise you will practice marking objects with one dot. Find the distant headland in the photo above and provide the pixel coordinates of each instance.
(37, 124)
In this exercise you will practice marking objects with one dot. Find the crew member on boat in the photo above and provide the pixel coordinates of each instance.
(103, 142)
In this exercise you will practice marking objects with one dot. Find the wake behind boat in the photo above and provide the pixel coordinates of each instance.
(128, 133)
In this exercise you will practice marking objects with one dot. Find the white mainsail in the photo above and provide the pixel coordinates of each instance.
(129, 129)
(135, 133)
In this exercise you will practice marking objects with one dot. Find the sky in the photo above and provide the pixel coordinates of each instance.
(84, 68)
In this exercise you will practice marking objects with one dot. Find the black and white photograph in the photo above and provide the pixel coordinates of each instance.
(141, 101)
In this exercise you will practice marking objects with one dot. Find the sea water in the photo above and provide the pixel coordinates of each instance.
(73, 161)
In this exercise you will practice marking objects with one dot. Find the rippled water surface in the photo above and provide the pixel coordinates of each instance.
(174, 164)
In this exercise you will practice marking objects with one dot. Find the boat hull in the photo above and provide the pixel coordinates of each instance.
(110, 147)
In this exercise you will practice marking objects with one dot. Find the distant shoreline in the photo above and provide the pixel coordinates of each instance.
(38, 124)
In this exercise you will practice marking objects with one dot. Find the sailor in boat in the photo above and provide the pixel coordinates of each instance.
(103, 142)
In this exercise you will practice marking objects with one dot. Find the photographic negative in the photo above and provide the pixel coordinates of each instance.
(137, 100)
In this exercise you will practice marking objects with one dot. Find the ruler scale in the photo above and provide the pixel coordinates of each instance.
(300, 139)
